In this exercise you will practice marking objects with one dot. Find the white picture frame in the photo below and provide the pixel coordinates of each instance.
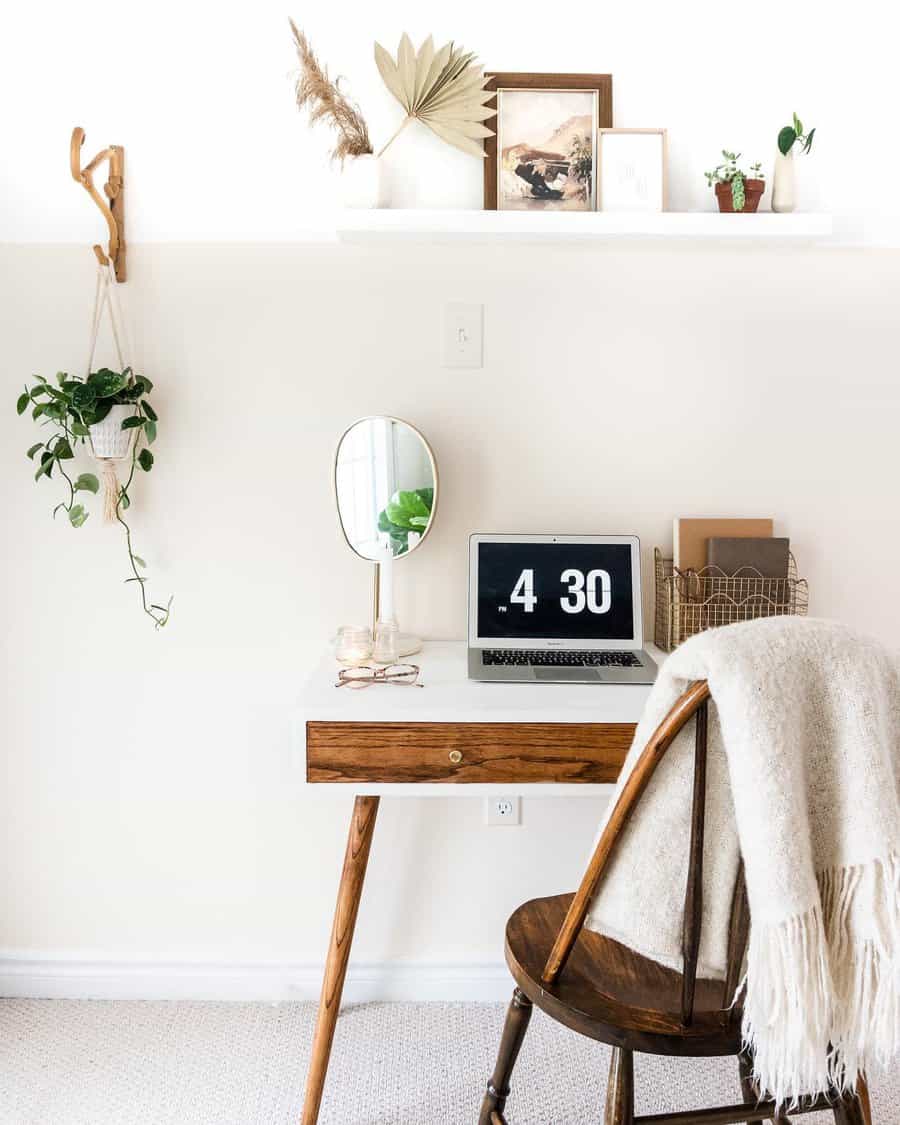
(632, 170)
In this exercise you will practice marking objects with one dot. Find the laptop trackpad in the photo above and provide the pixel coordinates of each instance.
(560, 675)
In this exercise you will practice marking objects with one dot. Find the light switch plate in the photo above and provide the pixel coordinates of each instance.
(463, 335)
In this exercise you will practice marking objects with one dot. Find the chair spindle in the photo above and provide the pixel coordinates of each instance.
(693, 900)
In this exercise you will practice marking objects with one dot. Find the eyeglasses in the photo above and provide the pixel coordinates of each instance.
(398, 675)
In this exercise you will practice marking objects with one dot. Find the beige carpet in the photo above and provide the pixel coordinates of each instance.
(93, 1062)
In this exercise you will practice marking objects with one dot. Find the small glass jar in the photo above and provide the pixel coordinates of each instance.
(353, 645)
(387, 642)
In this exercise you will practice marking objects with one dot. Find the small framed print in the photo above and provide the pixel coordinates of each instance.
(544, 154)
(631, 170)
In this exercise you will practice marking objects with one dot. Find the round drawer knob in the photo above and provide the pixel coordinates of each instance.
(456, 757)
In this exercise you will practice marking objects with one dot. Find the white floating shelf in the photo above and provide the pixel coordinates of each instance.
(549, 226)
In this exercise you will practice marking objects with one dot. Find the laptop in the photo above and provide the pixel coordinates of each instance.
(556, 608)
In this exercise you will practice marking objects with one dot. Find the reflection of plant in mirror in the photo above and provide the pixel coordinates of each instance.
(70, 408)
(406, 511)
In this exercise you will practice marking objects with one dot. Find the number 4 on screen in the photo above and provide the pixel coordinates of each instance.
(523, 592)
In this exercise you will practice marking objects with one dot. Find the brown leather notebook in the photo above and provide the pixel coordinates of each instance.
(691, 536)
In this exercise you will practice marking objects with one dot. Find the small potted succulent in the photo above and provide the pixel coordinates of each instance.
(111, 409)
(735, 189)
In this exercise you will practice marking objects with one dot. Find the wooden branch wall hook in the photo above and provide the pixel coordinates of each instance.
(114, 188)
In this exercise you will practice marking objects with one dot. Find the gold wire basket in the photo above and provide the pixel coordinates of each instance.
(691, 601)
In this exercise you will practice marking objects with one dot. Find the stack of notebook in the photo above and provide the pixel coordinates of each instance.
(731, 545)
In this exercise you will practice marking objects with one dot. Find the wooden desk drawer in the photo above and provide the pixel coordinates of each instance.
(466, 752)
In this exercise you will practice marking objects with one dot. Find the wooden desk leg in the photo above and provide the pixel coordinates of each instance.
(359, 841)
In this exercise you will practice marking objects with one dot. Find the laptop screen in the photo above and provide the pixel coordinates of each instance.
(574, 591)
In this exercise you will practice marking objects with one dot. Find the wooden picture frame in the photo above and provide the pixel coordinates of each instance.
(515, 80)
(659, 191)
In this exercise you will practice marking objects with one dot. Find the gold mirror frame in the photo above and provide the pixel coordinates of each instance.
(434, 474)
(434, 504)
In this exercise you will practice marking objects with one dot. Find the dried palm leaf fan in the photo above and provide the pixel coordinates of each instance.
(443, 89)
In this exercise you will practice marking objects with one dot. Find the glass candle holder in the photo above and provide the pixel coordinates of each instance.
(353, 644)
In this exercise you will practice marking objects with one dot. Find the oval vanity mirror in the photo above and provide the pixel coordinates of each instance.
(386, 487)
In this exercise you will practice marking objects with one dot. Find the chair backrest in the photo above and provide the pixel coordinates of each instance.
(693, 704)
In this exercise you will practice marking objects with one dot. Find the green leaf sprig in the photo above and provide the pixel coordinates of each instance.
(70, 407)
(791, 134)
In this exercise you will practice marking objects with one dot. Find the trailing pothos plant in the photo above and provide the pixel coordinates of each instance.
(70, 407)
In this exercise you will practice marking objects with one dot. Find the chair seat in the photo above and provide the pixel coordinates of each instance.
(610, 993)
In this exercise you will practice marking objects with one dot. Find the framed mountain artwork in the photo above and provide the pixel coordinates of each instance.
(544, 152)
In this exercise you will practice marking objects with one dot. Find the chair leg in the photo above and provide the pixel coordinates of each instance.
(517, 1019)
(749, 1091)
(862, 1089)
(849, 1110)
(748, 1087)
(620, 1089)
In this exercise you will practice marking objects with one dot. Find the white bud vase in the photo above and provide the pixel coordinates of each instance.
(784, 193)
(361, 181)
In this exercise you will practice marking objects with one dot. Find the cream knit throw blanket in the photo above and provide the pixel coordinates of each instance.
(803, 771)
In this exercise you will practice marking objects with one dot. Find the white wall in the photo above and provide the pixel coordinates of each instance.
(151, 803)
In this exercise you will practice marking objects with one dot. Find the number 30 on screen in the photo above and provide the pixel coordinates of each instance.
(582, 593)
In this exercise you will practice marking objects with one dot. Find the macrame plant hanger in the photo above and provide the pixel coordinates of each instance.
(114, 443)
(109, 442)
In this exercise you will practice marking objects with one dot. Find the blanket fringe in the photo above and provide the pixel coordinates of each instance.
(822, 1003)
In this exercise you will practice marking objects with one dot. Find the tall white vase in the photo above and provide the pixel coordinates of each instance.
(784, 189)
(361, 181)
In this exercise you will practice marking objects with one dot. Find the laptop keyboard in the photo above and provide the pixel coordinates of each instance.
(561, 658)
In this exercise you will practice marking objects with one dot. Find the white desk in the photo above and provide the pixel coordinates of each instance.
(452, 700)
(452, 737)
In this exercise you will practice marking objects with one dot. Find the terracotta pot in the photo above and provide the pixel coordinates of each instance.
(753, 193)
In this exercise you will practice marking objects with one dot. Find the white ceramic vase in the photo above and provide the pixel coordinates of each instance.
(784, 190)
(108, 439)
(361, 182)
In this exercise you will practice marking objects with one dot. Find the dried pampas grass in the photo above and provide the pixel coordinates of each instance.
(325, 102)
(444, 89)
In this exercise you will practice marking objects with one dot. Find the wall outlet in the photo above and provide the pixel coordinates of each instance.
(503, 810)
(463, 337)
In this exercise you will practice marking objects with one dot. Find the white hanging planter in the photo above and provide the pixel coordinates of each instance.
(108, 439)
(784, 189)
(361, 184)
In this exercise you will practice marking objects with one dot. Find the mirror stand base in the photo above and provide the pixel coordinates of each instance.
(408, 645)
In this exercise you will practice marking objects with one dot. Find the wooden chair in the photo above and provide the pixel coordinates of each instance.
(604, 990)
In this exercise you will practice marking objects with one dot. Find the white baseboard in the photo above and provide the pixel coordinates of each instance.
(62, 977)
